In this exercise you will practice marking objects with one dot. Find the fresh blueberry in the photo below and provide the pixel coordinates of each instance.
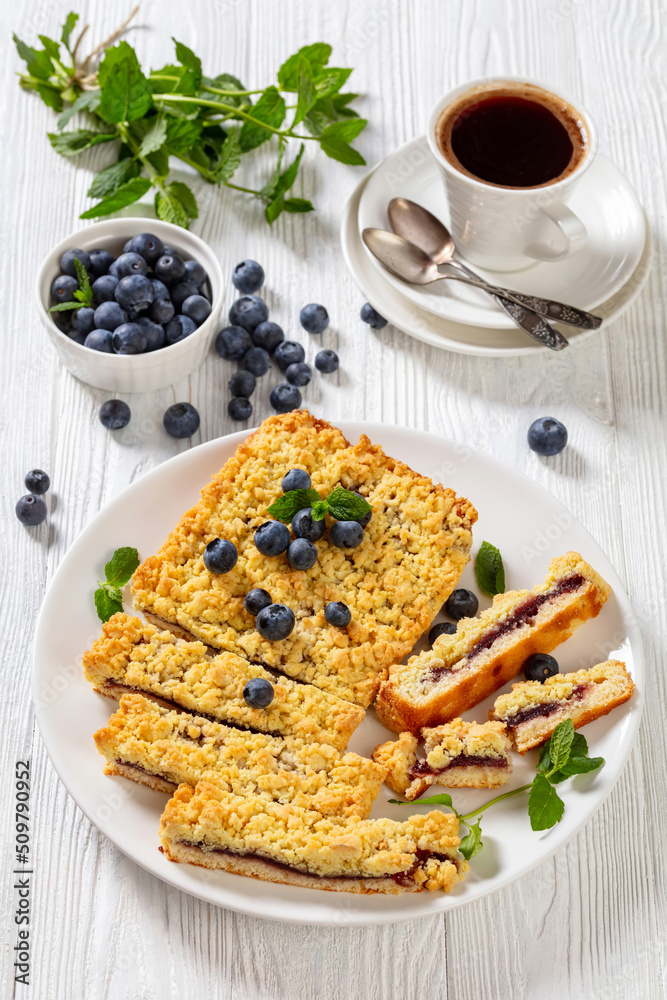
(248, 277)
(460, 604)
(169, 267)
(314, 318)
(298, 374)
(100, 340)
(127, 245)
(130, 338)
(239, 408)
(195, 273)
(275, 622)
(442, 628)
(337, 613)
(83, 320)
(63, 289)
(161, 311)
(268, 335)
(134, 291)
(31, 510)
(128, 263)
(109, 315)
(296, 479)
(327, 362)
(346, 534)
(304, 526)
(181, 420)
(248, 312)
(37, 481)
(155, 335)
(289, 353)
(301, 554)
(104, 289)
(539, 666)
(363, 521)
(67, 261)
(373, 318)
(170, 251)
(220, 556)
(255, 600)
(257, 361)
(285, 398)
(272, 538)
(547, 436)
(179, 328)
(159, 288)
(114, 414)
(258, 693)
(242, 384)
(147, 246)
(100, 262)
(197, 308)
(181, 291)
(232, 343)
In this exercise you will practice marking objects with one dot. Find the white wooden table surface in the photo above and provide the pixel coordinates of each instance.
(591, 922)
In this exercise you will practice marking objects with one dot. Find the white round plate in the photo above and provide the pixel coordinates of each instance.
(392, 303)
(528, 526)
(604, 200)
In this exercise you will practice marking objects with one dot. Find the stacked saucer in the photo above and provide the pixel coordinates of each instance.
(604, 277)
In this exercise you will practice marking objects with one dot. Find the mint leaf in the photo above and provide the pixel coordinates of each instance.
(472, 843)
(37, 61)
(270, 109)
(560, 744)
(124, 195)
(489, 570)
(176, 204)
(126, 95)
(305, 90)
(230, 158)
(182, 135)
(68, 28)
(337, 149)
(108, 601)
(155, 137)
(330, 80)
(545, 807)
(274, 209)
(317, 56)
(65, 307)
(84, 293)
(347, 506)
(319, 510)
(186, 198)
(87, 101)
(580, 765)
(442, 799)
(121, 566)
(187, 58)
(290, 503)
(347, 130)
(579, 746)
(298, 205)
(73, 143)
(111, 178)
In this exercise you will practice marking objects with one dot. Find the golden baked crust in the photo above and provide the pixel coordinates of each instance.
(215, 828)
(459, 672)
(414, 551)
(164, 748)
(487, 746)
(583, 695)
(132, 655)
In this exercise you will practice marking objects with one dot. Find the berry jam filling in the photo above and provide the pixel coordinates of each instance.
(545, 710)
(422, 768)
(518, 618)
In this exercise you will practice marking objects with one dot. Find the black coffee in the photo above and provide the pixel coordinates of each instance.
(508, 139)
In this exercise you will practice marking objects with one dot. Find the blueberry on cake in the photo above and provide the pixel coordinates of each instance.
(532, 710)
(456, 755)
(163, 748)
(462, 669)
(410, 557)
(132, 656)
(248, 833)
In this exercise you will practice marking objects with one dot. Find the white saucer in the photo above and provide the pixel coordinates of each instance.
(437, 331)
(604, 200)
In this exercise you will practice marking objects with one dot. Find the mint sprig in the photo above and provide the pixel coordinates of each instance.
(489, 570)
(108, 596)
(564, 755)
(342, 504)
(83, 294)
(290, 503)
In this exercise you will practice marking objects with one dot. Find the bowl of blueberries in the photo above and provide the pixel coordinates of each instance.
(136, 303)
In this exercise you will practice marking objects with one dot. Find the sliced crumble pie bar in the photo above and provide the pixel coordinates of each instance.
(414, 550)
(533, 709)
(132, 655)
(486, 652)
(457, 755)
(163, 748)
(245, 833)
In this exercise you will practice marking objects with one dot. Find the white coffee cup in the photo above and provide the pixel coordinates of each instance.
(503, 228)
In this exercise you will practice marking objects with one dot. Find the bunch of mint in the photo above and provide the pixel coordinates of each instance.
(108, 596)
(210, 123)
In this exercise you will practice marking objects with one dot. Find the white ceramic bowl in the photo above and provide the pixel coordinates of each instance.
(132, 372)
